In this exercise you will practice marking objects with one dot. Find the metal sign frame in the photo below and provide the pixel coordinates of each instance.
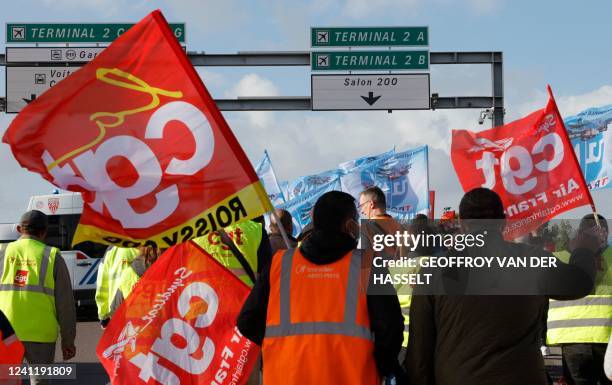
(495, 101)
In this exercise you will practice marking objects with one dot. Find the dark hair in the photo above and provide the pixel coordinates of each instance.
(286, 220)
(588, 221)
(149, 254)
(377, 196)
(481, 203)
(420, 220)
(34, 222)
(332, 209)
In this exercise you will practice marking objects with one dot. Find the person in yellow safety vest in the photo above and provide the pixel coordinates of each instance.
(373, 207)
(244, 249)
(582, 327)
(249, 238)
(130, 276)
(36, 294)
(115, 261)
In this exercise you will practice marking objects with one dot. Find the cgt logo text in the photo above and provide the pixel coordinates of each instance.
(180, 337)
(89, 167)
(21, 277)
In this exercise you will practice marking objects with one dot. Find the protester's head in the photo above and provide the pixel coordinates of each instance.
(588, 222)
(588, 226)
(420, 220)
(372, 202)
(285, 220)
(148, 254)
(33, 223)
(335, 211)
(481, 208)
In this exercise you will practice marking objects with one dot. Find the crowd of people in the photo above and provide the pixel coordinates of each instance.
(311, 310)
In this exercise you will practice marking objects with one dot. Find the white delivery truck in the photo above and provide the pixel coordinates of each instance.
(64, 211)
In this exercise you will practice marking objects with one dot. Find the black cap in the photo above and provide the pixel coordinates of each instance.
(33, 220)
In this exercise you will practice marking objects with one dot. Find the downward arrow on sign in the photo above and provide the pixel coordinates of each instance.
(32, 97)
(371, 99)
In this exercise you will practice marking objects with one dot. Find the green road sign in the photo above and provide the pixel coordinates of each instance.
(369, 36)
(369, 60)
(74, 33)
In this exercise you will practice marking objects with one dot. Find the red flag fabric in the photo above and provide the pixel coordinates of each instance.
(529, 163)
(11, 353)
(137, 133)
(178, 326)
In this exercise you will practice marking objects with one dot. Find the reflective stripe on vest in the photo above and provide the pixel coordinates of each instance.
(40, 288)
(348, 328)
(318, 323)
(585, 320)
(405, 301)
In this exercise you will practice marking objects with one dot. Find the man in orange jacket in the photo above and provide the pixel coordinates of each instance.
(314, 320)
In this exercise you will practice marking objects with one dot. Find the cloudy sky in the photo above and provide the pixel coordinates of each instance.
(561, 43)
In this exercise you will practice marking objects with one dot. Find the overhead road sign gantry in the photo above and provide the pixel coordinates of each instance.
(370, 92)
(303, 58)
(74, 32)
(369, 60)
(369, 36)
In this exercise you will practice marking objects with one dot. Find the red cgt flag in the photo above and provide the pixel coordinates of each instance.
(137, 133)
(178, 326)
(530, 163)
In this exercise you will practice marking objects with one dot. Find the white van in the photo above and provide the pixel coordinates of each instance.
(8, 232)
(64, 211)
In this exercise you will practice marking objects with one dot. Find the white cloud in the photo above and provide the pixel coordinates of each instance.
(212, 80)
(254, 85)
(568, 104)
(573, 104)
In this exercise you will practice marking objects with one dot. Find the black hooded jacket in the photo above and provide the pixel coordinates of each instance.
(321, 248)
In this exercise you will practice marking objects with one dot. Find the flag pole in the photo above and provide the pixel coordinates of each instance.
(582, 178)
(281, 228)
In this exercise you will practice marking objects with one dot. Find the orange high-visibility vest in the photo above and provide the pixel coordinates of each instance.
(317, 327)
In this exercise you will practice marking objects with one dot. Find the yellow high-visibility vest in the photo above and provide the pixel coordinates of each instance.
(588, 319)
(115, 261)
(247, 238)
(405, 299)
(129, 279)
(27, 289)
